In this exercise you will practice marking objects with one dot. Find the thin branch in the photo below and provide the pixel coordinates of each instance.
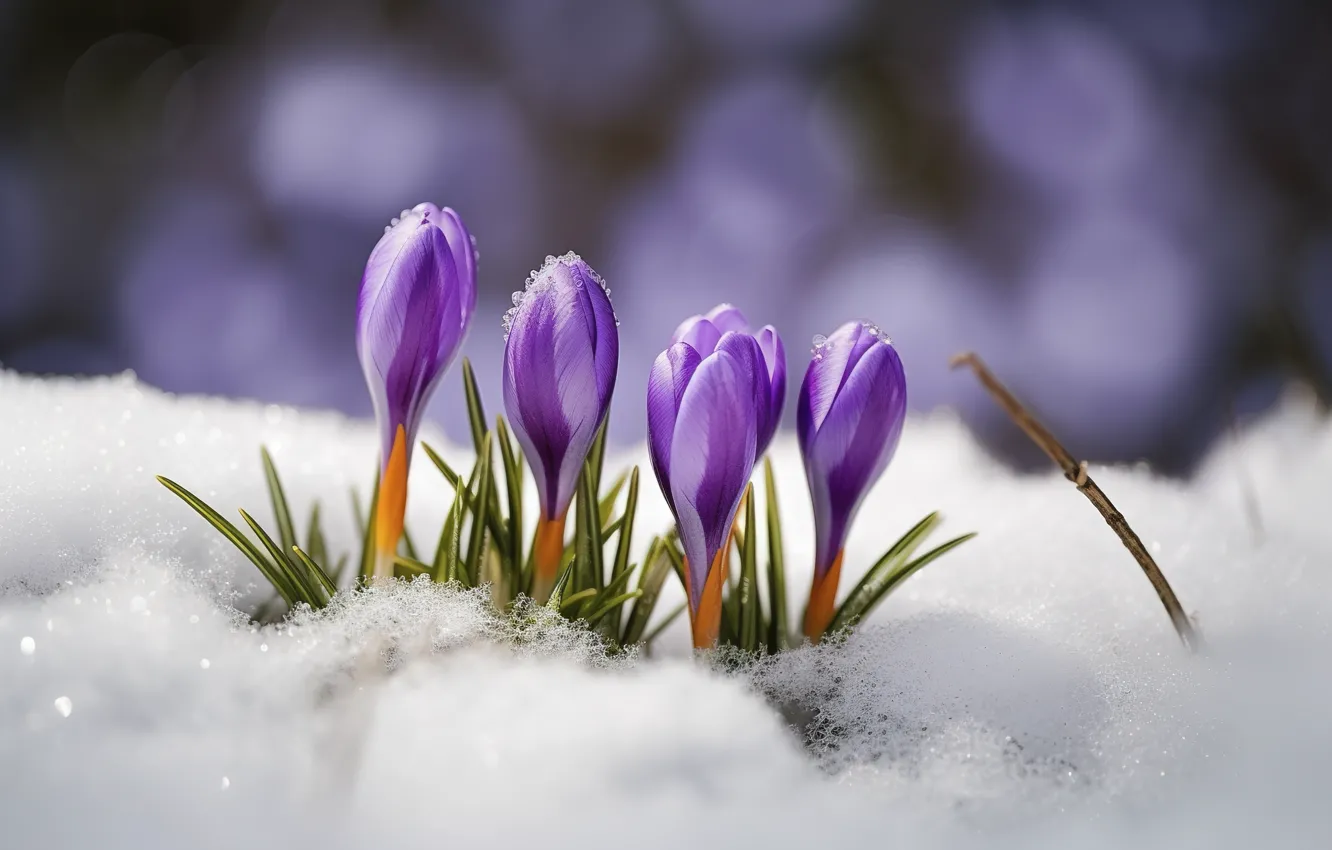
(1076, 471)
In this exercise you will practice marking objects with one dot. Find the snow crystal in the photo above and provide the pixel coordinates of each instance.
(1026, 689)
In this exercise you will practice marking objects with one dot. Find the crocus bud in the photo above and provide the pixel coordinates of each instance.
(849, 419)
(702, 333)
(703, 427)
(561, 352)
(416, 301)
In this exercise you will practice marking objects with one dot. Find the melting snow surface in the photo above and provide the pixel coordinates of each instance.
(1027, 689)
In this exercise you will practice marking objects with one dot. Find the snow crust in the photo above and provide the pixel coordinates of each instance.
(1027, 689)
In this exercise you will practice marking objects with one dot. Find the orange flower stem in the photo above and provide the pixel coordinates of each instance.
(391, 507)
(546, 556)
(822, 600)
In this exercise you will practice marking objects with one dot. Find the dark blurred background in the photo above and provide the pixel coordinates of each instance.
(1125, 207)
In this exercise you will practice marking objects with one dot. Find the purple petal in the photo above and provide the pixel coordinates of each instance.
(774, 358)
(699, 334)
(847, 449)
(712, 452)
(671, 373)
(464, 256)
(727, 317)
(409, 323)
(559, 372)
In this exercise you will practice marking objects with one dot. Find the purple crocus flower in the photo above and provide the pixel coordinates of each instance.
(416, 302)
(560, 357)
(704, 411)
(849, 419)
(704, 332)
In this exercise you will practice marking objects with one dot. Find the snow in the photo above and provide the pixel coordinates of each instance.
(1027, 689)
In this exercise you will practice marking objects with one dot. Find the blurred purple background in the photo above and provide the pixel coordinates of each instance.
(1126, 208)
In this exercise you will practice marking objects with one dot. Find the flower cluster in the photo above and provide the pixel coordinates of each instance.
(714, 402)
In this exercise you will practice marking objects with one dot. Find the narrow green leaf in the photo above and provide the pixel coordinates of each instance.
(610, 528)
(890, 571)
(368, 538)
(314, 538)
(750, 610)
(513, 479)
(676, 557)
(656, 566)
(409, 567)
(587, 544)
(665, 622)
(556, 600)
(899, 553)
(358, 516)
(476, 414)
(493, 516)
(575, 598)
(446, 558)
(607, 503)
(620, 566)
(476, 545)
(304, 586)
(281, 511)
(329, 587)
(443, 466)
(233, 534)
(596, 455)
(615, 603)
(779, 635)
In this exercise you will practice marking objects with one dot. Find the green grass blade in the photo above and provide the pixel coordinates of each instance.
(651, 578)
(672, 549)
(596, 454)
(620, 566)
(477, 543)
(409, 567)
(556, 601)
(368, 535)
(281, 511)
(779, 635)
(587, 543)
(574, 598)
(305, 587)
(889, 572)
(494, 517)
(750, 611)
(900, 552)
(513, 480)
(314, 537)
(233, 534)
(329, 587)
(607, 503)
(476, 413)
(445, 566)
(615, 603)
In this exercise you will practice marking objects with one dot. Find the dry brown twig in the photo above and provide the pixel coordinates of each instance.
(1076, 471)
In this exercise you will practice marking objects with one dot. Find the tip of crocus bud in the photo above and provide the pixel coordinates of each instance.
(539, 279)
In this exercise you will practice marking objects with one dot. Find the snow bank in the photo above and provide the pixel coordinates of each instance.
(1026, 689)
